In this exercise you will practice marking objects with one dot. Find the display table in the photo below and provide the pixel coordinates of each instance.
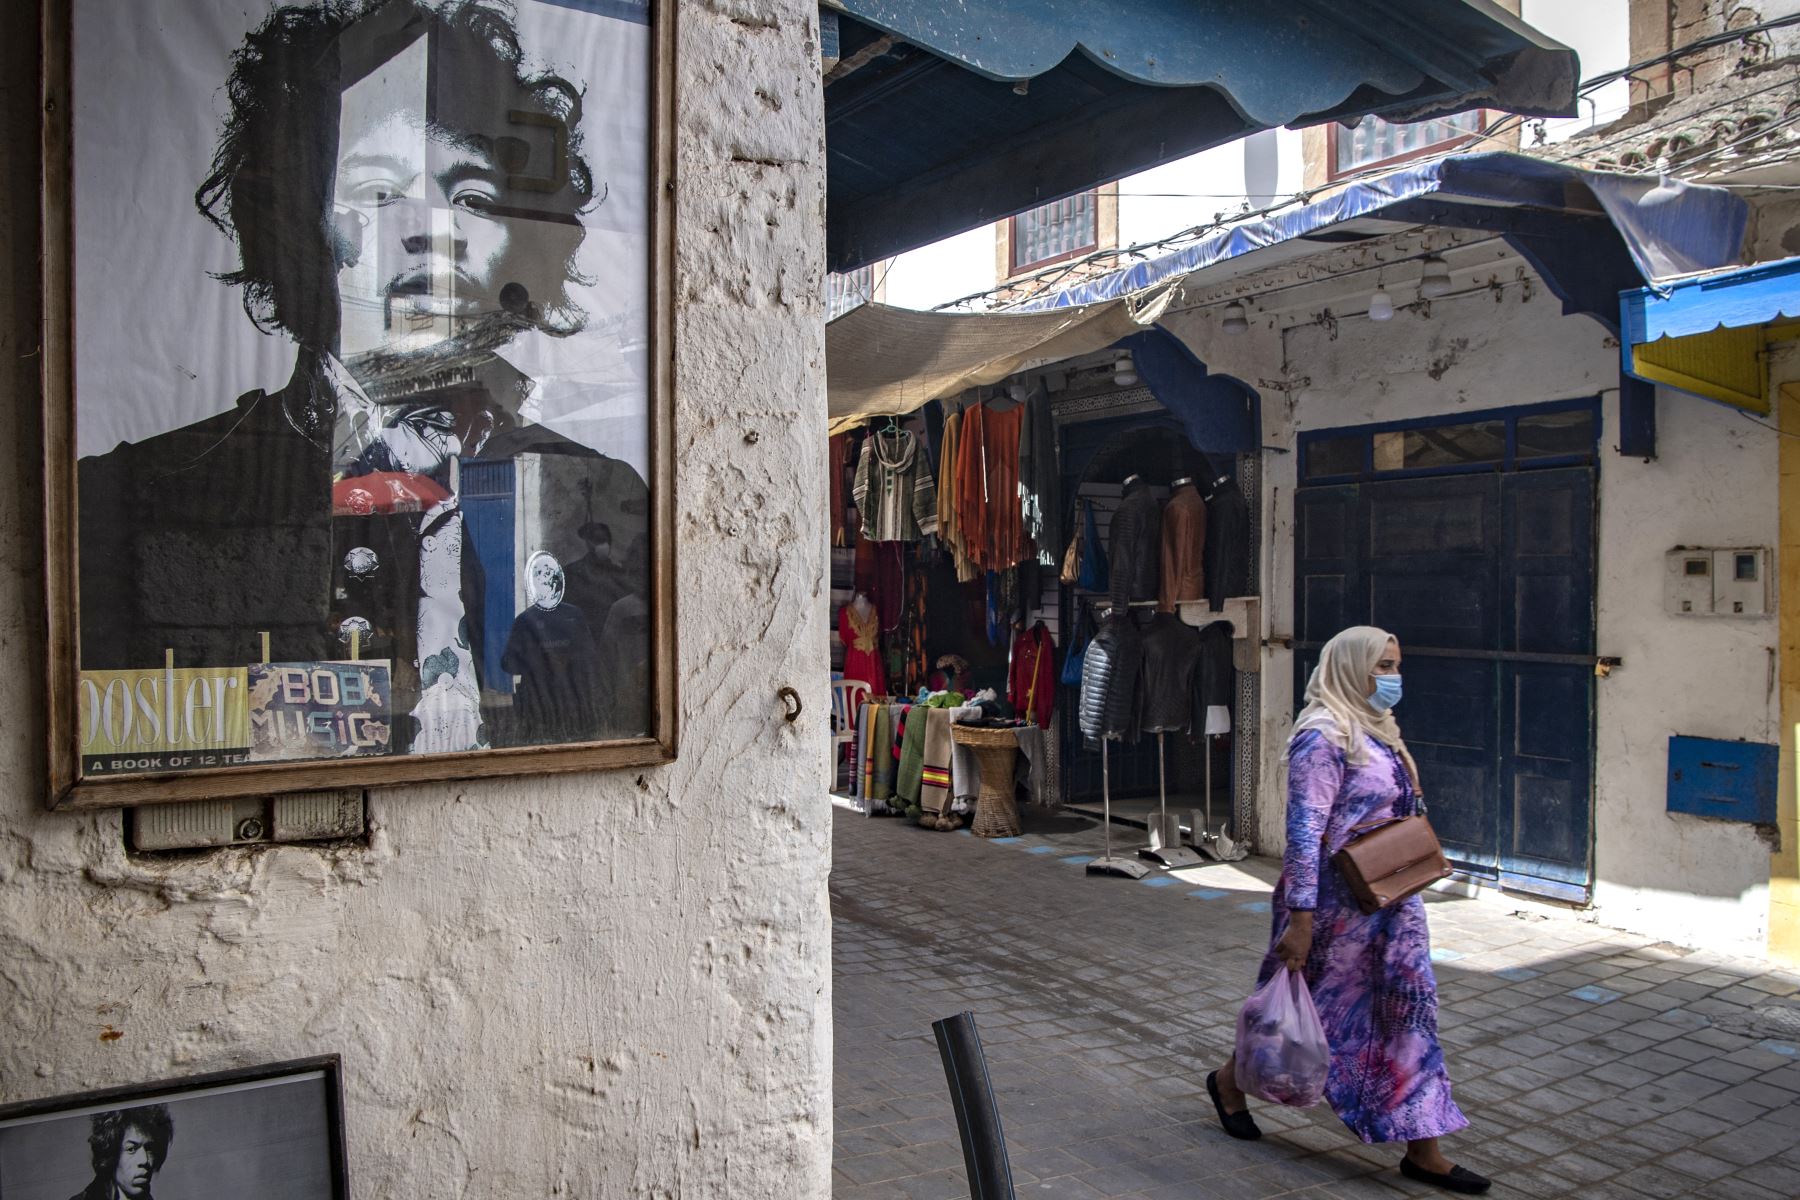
(996, 813)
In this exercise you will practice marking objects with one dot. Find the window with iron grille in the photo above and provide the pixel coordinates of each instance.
(844, 292)
(1375, 142)
(1055, 231)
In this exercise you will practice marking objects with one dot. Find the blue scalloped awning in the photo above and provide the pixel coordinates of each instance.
(1591, 233)
(1706, 335)
(942, 115)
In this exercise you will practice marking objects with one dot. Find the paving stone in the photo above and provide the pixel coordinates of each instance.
(1099, 1038)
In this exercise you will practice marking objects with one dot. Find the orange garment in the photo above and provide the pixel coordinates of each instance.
(1007, 543)
(971, 483)
(990, 517)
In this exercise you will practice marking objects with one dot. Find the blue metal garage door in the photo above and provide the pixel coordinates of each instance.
(1484, 569)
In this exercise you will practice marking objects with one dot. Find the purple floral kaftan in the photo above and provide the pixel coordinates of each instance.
(1370, 975)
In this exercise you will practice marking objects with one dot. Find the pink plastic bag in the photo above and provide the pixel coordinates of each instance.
(1282, 1055)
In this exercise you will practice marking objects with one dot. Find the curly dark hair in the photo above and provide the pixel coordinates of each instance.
(273, 171)
(108, 1132)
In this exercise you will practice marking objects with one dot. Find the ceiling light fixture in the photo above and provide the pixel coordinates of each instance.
(1381, 305)
(1235, 321)
(1434, 280)
(1125, 371)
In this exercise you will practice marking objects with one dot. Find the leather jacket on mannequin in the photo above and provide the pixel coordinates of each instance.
(1183, 543)
(1134, 545)
(1166, 682)
(1227, 542)
(1109, 681)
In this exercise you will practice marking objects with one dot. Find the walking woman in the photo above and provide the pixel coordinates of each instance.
(1370, 975)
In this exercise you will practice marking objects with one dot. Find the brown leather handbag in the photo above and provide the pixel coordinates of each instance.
(1390, 860)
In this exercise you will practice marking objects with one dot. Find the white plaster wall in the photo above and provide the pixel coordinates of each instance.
(1714, 482)
(1683, 879)
(579, 986)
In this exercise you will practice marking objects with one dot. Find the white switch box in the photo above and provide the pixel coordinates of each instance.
(1688, 581)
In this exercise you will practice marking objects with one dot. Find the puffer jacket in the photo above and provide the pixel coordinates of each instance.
(1109, 677)
(1134, 547)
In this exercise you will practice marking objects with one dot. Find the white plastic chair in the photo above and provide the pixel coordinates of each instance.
(847, 698)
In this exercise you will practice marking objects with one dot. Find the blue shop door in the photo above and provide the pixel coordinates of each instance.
(488, 504)
(1487, 580)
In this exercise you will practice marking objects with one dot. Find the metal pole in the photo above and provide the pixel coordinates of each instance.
(977, 1114)
(1106, 795)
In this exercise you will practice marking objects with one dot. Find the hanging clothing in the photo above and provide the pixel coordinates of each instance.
(862, 647)
(949, 531)
(895, 490)
(1215, 684)
(1109, 671)
(889, 592)
(1166, 682)
(971, 484)
(912, 754)
(1227, 554)
(1370, 974)
(1038, 747)
(840, 464)
(1183, 548)
(1134, 546)
(881, 754)
(1040, 478)
(1006, 541)
(1031, 680)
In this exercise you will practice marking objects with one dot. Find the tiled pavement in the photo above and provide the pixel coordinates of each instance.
(1590, 1063)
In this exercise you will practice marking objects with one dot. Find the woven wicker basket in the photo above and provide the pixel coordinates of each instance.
(996, 813)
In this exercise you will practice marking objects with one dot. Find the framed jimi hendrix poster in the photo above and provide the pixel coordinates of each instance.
(357, 433)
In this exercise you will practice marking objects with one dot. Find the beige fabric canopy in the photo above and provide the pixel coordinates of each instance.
(886, 361)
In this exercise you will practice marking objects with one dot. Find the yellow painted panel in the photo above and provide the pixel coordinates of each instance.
(1724, 365)
(1784, 864)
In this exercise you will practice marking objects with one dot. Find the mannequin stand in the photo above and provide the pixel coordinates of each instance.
(1217, 845)
(1165, 848)
(1106, 864)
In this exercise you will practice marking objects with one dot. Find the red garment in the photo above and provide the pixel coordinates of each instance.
(862, 649)
(971, 484)
(840, 462)
(1031, 684)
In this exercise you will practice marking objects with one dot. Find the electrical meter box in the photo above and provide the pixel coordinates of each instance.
(1741, 582)
(1712, 581)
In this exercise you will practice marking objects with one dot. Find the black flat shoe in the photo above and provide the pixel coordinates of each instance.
(1240, 1125)
(1460, 1179)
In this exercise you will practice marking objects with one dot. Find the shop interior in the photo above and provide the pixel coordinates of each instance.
(1049, 580)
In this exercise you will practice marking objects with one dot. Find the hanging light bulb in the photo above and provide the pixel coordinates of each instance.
(1125, 371)
(1435, 279)
(1381, 305)
(1016, 390)
(1235, 321)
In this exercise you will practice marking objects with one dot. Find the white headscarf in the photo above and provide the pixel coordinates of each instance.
(1338, 703)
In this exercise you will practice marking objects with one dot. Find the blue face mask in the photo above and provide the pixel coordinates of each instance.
(1386, 693)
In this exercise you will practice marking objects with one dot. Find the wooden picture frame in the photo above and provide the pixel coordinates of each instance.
(125, 779)
(207, 1131)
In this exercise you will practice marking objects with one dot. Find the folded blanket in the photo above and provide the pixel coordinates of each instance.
(934, 764)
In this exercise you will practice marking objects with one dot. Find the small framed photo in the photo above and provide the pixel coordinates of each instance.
(274, 1132)
(357, 378)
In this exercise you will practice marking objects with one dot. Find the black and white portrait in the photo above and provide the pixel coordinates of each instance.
(362, 287)
(274, 1137)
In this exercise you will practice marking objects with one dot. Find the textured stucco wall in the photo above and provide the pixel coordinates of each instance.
(593, 985)
(1684, 879)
